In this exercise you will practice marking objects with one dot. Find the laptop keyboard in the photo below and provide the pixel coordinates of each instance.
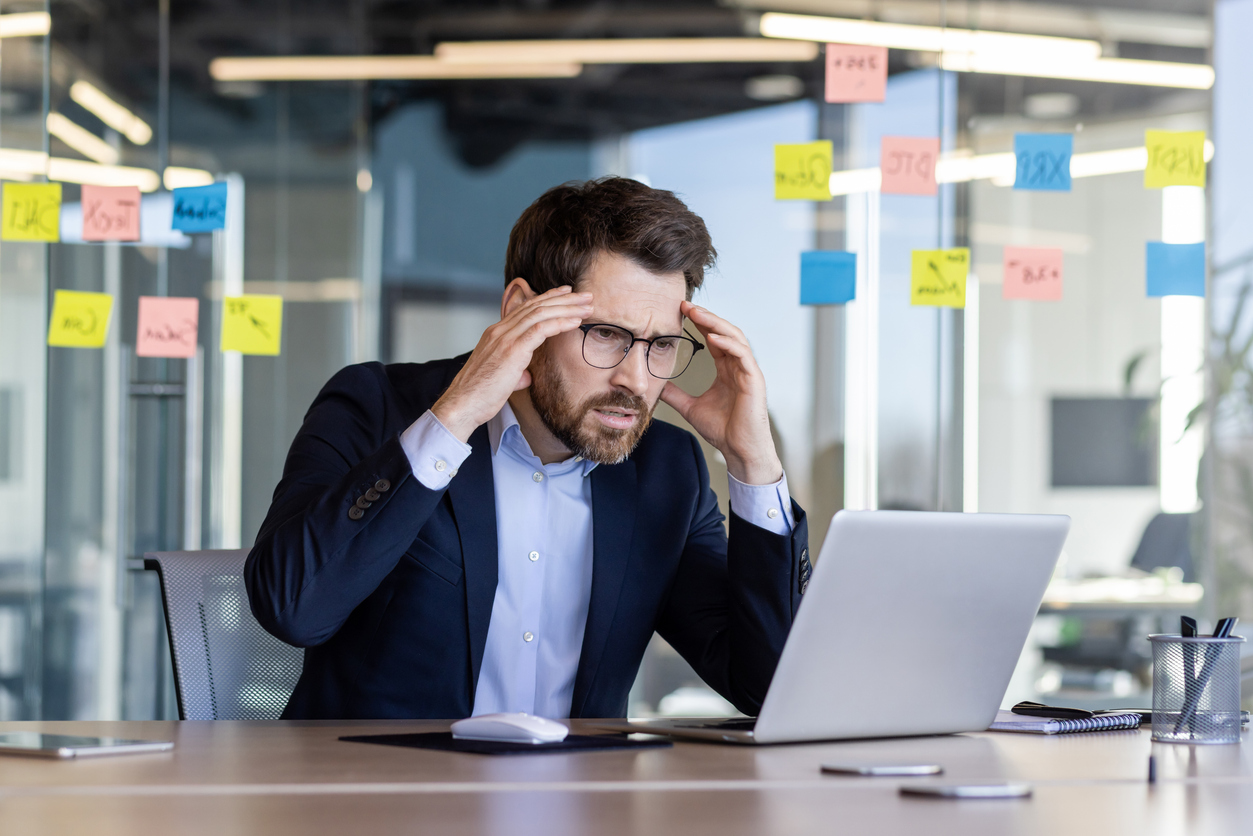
(737, 724)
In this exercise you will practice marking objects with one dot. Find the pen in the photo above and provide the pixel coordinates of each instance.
(1192, 697)
(1187, 629)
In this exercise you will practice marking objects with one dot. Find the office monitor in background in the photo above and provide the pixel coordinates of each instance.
(912, 625)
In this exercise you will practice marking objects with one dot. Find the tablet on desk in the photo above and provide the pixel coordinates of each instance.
(75, 746)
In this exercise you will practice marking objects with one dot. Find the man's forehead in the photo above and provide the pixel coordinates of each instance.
(624, 293)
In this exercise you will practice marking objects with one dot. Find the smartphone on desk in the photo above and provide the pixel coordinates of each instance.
(64, 746)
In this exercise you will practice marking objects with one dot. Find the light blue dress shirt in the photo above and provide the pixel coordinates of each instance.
(544, 542)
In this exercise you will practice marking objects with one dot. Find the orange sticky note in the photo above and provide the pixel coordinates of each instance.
(111, 213)
(856, 73)
(908, 164)
(1033, 273)
(167, 326)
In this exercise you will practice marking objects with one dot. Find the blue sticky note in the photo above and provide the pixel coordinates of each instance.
(828, 277)
(1043, 161)
(200, 208)
(1175, 269)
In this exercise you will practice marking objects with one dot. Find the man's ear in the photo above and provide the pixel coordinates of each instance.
(517, 293)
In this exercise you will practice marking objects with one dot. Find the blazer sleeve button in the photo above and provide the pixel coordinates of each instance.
(355, 513)
(372, 494)
(382, 486)
(363, 503)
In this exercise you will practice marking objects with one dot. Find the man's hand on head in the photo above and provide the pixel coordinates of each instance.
(498, 365)
(731, 415)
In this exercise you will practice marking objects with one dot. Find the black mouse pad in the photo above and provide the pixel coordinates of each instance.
(444, 741)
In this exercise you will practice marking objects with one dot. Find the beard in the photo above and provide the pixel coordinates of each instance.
(568, 422)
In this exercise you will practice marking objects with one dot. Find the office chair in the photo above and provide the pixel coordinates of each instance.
(226, 666)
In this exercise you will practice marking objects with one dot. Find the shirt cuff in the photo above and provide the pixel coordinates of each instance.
(434, 453)
(765, 506)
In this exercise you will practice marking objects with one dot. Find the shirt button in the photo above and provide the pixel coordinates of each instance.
(534, 556)
(537, 476)
(528, 636)
(440, 466)
(772, 513)
(452, 472)
(578, 458)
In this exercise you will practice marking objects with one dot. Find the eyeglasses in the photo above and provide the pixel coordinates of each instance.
(605, 346)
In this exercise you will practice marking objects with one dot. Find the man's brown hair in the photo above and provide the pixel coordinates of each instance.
(558, 236)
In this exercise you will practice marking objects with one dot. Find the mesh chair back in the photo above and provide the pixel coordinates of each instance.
(226, 666)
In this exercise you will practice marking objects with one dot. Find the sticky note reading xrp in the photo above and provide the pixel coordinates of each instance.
(200, 208)
(856, 73)
(79, 320)
(1176, 158)
(110, 213)
(252, 324)
(938, 277)
(167, 326)
(32, 212)
(1033, 273)
(1043, 161)
(803, 172)
(908, 164)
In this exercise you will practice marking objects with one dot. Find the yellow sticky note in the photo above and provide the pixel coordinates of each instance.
(803, 172)
(938, 277)
(32, 212)
(252, 324)
(1176, 158)
(79, 320)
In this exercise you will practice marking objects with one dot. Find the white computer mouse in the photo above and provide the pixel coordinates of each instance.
(510, 728)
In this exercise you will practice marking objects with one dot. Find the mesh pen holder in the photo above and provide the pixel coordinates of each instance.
(1196, 689)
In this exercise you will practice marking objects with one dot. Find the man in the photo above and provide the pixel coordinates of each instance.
(504, 531)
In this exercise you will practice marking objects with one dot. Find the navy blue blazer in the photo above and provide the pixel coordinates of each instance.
(392, 604)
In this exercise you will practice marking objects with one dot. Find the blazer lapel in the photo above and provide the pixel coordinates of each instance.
(613, 523)
(473, 495)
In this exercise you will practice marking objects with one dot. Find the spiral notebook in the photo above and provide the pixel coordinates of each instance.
(1011, 722)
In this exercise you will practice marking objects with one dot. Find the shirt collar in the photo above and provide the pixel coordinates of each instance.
(503, 429)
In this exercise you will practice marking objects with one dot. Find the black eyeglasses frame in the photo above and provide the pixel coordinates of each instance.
(588, 326)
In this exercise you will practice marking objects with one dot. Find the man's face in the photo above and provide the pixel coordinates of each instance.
(601, 414)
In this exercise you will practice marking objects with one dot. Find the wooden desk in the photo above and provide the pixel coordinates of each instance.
(298, 778)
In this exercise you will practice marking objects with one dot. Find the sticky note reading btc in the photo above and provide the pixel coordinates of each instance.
(79, 320)
(1032, 273)
(167, 327)
(828, 277)
(803, 172)
(110, 213)
(908, 164)
(32, 212)
(938, 277)
(856, 73)
(200, 208)
(1174, 269)
(252, 324)
(1176, 158)
(1043, 161)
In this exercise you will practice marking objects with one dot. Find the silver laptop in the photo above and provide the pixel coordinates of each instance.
(912, 624)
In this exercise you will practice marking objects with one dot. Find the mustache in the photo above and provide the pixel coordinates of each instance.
(621, 400)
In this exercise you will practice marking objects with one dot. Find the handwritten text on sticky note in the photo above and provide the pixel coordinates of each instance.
(167, 326)
(856, 73)
(938, 277)
(111, 213)
(828, 277)
(1176, 158)
(908, 164)
(252, 324)
(1174, 269)
(200, 208)
(803, 172)
(79, 320)
(1043, 161)
(1032, 273)
(32, 212)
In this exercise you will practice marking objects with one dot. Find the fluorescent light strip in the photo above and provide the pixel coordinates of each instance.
(177, 177)
(25, 24)
(363, 68)
(962, 167)
(629, 51)
(117, 117)
(1112, 70)
(82, 140)
(17, 164)
(924, 38)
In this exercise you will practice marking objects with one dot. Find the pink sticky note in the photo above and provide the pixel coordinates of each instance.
(167, 327)
(1033, 273)
(856, 73)
(908, 164)
(110, 213)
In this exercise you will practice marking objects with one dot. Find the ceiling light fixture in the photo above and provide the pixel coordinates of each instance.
(1112, 70)
(95, 174)
(25, 24)
(629, 51)
(111, 113)
(82, 140)
(367, 67)
(177, 177)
